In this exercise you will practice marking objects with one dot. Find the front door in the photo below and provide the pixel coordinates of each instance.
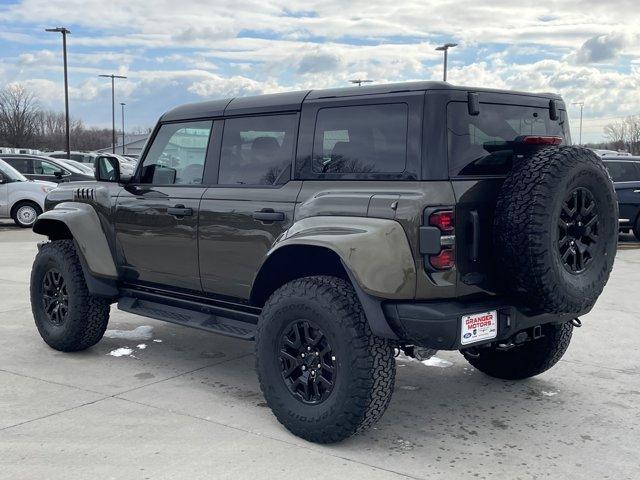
(157, 214)
(253, 203)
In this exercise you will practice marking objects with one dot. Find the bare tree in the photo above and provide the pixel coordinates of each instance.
(18, 116)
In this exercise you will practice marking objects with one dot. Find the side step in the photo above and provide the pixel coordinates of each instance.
(214, 319)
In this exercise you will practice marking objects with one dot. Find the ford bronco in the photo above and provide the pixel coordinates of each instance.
(339, 227)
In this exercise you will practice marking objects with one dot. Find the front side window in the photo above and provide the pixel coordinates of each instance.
(623, 171)
(40, 167)
(361, 139)
(257, 150)
(177, 154)
(484, 144)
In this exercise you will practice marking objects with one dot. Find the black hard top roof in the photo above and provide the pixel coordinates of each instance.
(292, 101)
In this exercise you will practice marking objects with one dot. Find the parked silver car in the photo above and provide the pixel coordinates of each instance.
(20, 198)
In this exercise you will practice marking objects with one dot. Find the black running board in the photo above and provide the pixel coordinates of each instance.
(204, 317)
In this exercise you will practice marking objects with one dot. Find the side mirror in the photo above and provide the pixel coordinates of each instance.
(107, 169)
(58, 174)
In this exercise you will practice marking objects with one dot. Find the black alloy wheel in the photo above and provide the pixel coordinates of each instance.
(307, 362)
(578, 230)
(55, 297)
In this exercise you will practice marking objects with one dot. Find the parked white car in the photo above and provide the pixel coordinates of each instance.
(20, 198)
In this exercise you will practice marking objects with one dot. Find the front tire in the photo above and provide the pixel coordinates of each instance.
(67, 316)
(527, 360)
(323, 373)
(25, 214)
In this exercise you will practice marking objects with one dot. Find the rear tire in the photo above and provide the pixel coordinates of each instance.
(355, 371)
(67, 316)
(524, 361)
(25, 213)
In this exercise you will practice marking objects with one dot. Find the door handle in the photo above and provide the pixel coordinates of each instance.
(268, 215)
(180, 211)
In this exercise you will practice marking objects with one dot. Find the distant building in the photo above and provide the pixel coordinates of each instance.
(133, 144)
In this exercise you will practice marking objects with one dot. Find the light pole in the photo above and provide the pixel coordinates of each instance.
(445, 48)
(359, 82)
(113, 109)
(122, 105)
(64, 33)
(581, 107)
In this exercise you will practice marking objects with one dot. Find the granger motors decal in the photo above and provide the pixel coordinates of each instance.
(478, 327)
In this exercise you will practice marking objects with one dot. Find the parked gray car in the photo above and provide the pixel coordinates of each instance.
(38, 167)
(20, 198)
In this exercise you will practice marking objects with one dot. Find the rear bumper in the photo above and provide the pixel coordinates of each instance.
(437, 324)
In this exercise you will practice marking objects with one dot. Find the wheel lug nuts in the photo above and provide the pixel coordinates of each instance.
(333, 358)
(309, 349)
(319, 366)
(303, 367)
(302, 355)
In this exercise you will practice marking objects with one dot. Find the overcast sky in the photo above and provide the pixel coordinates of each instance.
(177, 51)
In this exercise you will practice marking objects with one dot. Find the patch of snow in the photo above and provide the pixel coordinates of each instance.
(120, 352)
(437, 362)
(142, 346)
(409, 387)
(143, 332)
(157, 340)
(548, 394)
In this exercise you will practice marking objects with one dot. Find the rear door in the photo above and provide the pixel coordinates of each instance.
(479, 156)
(157, 214)
(252, 203)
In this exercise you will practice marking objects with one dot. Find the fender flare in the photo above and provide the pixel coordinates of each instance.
(374, 253)
(93, 249)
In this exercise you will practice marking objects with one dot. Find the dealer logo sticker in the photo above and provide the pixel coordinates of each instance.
(479, 327)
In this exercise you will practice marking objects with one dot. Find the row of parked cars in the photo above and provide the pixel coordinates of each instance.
(23, 202)
(26, 178)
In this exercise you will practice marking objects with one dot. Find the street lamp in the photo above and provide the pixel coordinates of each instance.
(113, 109)
(64, 33)
(581, 107)
(359, 82)
(122, 105)
(445, 48)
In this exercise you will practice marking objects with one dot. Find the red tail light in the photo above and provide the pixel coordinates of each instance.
(443, 220)
(540, 140)
(444, 260)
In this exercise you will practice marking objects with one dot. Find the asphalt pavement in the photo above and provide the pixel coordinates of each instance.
(155, 400)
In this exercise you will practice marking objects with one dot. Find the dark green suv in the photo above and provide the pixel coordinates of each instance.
(337, 228)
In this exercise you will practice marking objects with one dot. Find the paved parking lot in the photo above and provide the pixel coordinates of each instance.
(179, 403)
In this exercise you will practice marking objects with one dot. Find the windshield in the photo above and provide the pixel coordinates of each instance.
(72, 168)
(11, 173)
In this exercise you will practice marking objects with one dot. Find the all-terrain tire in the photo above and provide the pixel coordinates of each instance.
(25, 213)
(85, 317)
(365, 366)
(527, 360)
(538, 196)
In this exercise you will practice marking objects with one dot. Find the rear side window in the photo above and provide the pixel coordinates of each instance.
(23, 165)
(257, 150)
(623, 171)
(484, 144)
(361, 139)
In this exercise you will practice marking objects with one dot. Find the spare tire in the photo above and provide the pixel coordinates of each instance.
(556, 230)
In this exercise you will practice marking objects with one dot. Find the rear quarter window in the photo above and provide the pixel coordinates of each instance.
(362, 139)
(484, 144)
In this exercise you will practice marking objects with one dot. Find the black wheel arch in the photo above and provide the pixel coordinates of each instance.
(297, 261)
